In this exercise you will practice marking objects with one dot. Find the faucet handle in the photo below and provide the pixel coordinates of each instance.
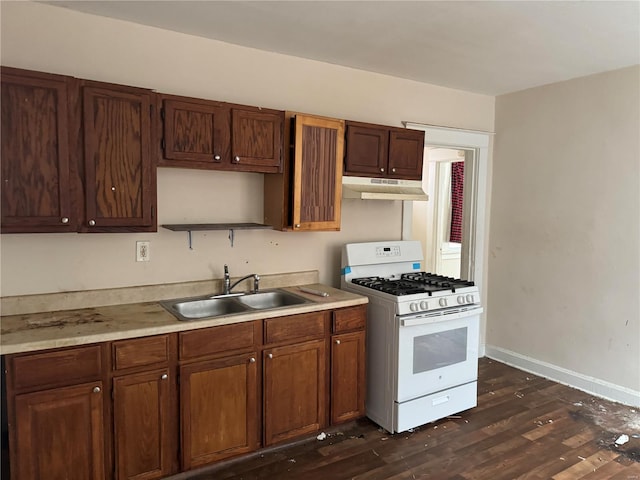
(226, 270)
(256, 283)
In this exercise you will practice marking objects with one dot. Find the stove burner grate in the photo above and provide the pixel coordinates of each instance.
(413, 283)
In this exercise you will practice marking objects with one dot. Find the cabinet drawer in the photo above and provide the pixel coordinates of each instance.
(348, 319)
(223, 339)
(305, 326)
(57, 368)
(140, 352)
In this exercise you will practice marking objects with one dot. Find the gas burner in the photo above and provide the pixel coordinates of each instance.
(433, 279)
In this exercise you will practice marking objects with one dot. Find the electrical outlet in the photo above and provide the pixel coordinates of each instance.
(143, 251)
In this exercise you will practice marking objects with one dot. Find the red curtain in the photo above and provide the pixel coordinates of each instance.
(457, 196)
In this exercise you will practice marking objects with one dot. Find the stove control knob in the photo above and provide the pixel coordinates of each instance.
(424, 305)
(461, 300)
(413, 307)
(470, 298)
(443, 302)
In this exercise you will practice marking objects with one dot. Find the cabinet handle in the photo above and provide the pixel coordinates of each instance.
(65, 220)
(393, 170)
(337, 342)
(382, 169)
(96, 389)
(270, 355)
(252, 360)
(236, 159)
(216, 158)
(92, 223)
(297, 225)
(164, 376)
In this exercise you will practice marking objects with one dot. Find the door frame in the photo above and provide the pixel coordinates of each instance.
(476, 144)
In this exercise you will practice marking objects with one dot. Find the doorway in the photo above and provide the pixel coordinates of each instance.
(475, 150)
(444, 237)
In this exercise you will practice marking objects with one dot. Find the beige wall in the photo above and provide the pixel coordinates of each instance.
(564, 250)
(47, 38)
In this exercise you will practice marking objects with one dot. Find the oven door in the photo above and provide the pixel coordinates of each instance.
(436, 351)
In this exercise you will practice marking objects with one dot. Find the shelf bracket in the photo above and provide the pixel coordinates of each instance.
(231, 235)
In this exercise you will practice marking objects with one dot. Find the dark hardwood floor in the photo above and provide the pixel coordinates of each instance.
(524, 427)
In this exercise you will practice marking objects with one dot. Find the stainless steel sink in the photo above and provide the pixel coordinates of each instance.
(197, 308)
(271, 299)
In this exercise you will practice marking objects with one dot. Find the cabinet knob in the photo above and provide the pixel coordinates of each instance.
(337, 342)
(216, 158)
(382, 169)
(65, 220)
(297, 225)
(252, 360)
(164, 376)
(92, 223)
(270, 355)
(236, 159)
(393, 170)
(96, 389)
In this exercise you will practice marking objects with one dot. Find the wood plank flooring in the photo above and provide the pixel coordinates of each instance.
(524, 427)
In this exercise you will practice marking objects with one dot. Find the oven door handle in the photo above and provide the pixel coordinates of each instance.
(430, 318)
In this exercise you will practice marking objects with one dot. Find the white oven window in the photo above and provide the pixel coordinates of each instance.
(439, 350)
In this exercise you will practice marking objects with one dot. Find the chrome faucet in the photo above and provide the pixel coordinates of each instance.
(228, 286)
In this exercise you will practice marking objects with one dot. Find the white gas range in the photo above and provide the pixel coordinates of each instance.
(422, 334)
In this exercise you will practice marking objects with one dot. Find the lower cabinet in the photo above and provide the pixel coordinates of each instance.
(147, 408)
(144, 407)
(59, 433)
(143, 439)
(294, 390)
(219, 400)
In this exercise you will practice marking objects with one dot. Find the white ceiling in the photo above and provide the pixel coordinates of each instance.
(489, 47)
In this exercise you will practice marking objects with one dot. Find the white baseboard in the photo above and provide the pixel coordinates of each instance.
(591, 385)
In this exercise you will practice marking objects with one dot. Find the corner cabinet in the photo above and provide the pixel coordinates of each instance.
(307, 195)
(119, 174)
(37, 193)
(383, 152)
(210, 135)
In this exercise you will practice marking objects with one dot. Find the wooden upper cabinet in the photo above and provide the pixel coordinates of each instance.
(36, 166)
(205, 134)
(383, 152)
(406, 152)
(367, 150)
(194, 133)
(120, 177)
(307, 195)
(256, 140)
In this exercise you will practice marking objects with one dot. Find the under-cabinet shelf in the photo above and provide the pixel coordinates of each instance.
(194, 227)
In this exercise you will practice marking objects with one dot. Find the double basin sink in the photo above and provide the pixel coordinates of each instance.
(197, 308)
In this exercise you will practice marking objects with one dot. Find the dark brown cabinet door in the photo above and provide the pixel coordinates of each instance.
(219, 402)
(347, 376)
(36, 181)
(60, 434)
(143, 438)
(256, 140)
(195, 134)
(406, 151)
(118, 171)
(317, 172)
(294, 390)
(367, 151)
